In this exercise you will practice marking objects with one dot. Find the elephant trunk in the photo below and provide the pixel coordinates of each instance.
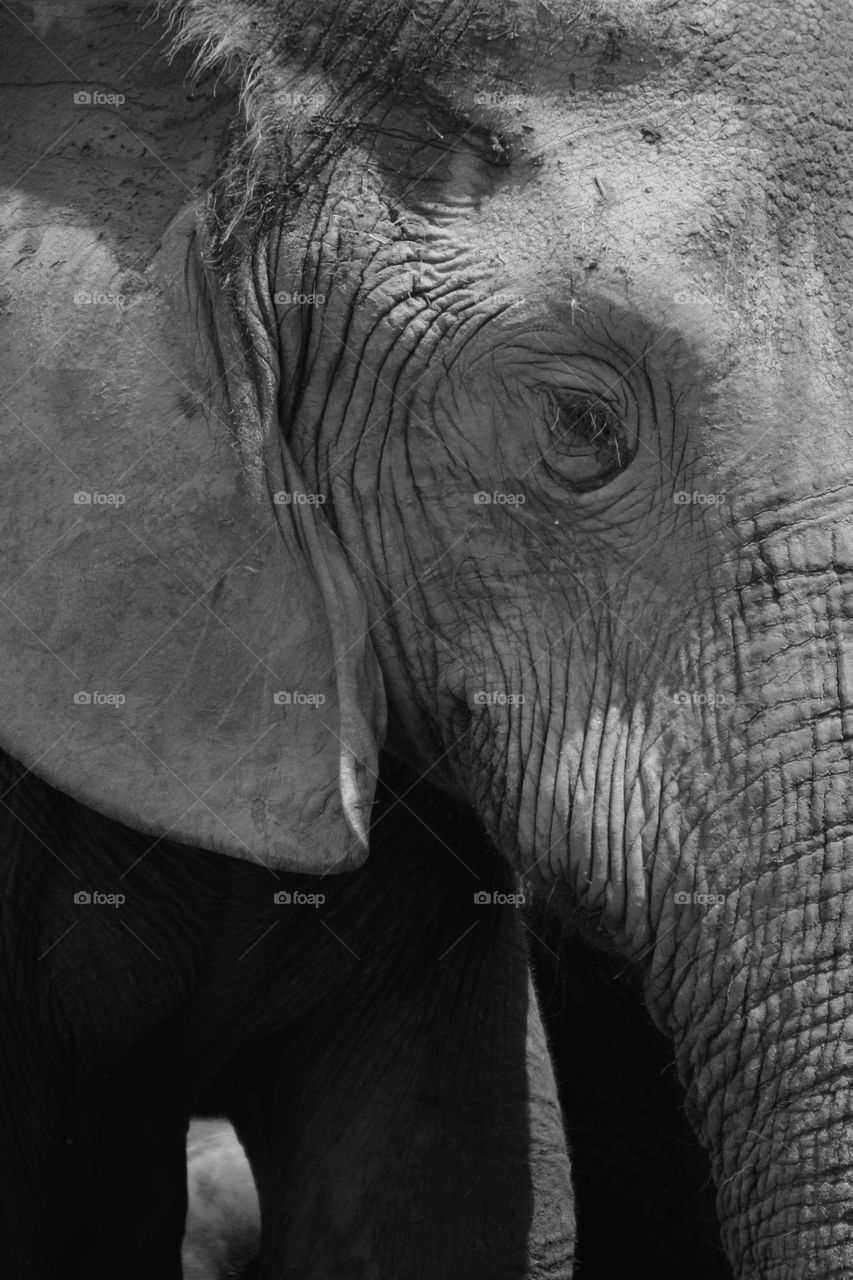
(752, 967)
(767, 1061)
(753, 979)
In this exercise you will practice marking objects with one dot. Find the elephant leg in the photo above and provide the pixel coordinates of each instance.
(411, 1127)
(223, 1220)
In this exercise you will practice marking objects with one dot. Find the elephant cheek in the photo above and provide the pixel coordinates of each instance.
(584, 820)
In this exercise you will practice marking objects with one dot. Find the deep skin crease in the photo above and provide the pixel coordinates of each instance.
(640, 211)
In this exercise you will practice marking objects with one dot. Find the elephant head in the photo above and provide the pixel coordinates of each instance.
(536, 318)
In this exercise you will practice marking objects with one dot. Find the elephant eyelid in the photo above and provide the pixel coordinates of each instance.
(589, 444)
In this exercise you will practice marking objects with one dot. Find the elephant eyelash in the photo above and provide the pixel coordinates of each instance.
(590, 416)
(589, 442)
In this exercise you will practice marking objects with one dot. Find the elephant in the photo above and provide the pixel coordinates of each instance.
(443, 380)
(374, 1038)
(625, 1129)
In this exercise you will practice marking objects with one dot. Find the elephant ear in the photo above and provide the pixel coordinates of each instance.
(178, 649)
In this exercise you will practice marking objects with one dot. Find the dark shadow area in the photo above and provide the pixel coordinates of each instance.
(643, 1187)
(366, 1033)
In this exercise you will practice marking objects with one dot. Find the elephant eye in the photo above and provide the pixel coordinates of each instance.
(589, 444)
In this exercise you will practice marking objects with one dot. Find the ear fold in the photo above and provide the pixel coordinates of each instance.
(176, 649)
(253, 378)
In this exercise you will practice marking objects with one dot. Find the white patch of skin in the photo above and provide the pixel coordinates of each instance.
(606, 868)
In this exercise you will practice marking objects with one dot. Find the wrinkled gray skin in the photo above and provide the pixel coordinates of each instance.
(598, 259)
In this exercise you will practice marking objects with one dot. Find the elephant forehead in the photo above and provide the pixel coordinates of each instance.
(721, 162)
(694, 136)
(428, 38)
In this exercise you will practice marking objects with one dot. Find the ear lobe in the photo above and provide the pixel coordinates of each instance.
(244, 706)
